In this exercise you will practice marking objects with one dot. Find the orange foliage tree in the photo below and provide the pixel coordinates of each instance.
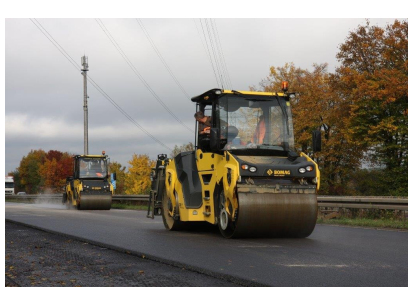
(318, 104)
(55, 169)
(40, 171)
(373, 80)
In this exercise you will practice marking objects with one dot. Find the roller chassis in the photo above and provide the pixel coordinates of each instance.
(92, 191)
(244, 175)
(237, 206)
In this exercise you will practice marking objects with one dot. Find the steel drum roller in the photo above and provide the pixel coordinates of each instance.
(276, 215)
(95, 202)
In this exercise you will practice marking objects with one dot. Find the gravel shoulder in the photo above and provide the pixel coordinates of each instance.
(35, 258)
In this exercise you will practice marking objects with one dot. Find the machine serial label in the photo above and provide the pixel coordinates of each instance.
(278, 172)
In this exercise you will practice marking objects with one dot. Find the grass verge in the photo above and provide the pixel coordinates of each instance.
(366, 222)
(124, 206)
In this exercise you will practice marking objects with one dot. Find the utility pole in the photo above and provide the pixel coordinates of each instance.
(84, 71)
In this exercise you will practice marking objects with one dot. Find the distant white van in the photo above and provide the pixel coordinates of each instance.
(9, 185)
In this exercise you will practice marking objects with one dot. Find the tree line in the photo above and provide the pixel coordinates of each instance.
(361, 110)
(41, 172)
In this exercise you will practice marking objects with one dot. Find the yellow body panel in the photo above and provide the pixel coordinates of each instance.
(208, 164)
(72, 193)
(315, 166)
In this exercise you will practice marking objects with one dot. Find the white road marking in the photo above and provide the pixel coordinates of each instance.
(258, 246)
(318, 266)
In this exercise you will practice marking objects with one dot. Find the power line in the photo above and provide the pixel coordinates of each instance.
(220, 61)
(217, 59)
(54, 42)
(222, 53)
(213, 52)
(125, 57)
(161, 57)
(200, 38)
(101, 91)
(209, 54)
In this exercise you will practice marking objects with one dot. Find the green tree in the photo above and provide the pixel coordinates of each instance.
(374, 82)
(184, 147)
(137, 179)
(115, 167)
(17, 185)
(30, 177)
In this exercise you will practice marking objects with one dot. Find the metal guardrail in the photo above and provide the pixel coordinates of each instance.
(59, 196)
(383, 203)
(130, 198)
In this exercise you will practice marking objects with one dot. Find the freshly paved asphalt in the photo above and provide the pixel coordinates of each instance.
(331, 256)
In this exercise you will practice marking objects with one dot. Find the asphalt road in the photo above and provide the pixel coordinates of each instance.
(331, 256)
(35, 258)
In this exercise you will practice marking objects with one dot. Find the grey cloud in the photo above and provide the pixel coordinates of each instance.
(42, 84)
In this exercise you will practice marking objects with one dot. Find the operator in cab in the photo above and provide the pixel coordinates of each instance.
(204, 122)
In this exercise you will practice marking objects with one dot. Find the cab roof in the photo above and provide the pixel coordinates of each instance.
(90, 156)
(214, 93)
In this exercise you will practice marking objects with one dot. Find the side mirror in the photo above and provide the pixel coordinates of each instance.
(214, 143)
(316, 140)
(114, 176)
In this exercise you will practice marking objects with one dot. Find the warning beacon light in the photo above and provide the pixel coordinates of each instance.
(284, 86)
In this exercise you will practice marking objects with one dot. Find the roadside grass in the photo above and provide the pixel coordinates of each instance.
(22, 200)
(125, 206)
(390, 223)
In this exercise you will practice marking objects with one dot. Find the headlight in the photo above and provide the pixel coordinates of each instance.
(244, 166)
(301, 170)
(309, 168)
(253, 169)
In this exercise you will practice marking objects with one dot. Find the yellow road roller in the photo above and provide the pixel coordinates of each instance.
(90, 187)
(244, 175)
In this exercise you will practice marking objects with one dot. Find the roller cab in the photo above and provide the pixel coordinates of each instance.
(90, 187)
(244, 175)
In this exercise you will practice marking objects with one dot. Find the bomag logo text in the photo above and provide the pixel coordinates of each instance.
(277, 172)
(96, 188)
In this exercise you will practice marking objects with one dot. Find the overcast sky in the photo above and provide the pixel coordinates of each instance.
(44, 91)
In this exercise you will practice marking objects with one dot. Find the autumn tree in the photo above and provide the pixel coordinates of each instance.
(16, 177)
(137, 179)
(115, 167)
(184, 147)
(54, 171)
(28, 169)
(318, 106)
(374, 82)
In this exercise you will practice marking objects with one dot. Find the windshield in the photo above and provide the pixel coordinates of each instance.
(262, 122)
(9, 185)
(92, 168)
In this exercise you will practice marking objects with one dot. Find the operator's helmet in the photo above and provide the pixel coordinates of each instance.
(95, 165)
(232, 133)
